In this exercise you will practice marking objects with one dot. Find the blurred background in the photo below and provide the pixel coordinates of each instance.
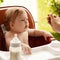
(44, 8)
(39, 9)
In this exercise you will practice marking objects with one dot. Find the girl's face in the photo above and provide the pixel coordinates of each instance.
(20, 24)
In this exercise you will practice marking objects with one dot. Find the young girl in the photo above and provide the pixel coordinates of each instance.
(17, 22)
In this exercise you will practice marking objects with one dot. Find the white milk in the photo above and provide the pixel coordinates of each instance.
(15, 49)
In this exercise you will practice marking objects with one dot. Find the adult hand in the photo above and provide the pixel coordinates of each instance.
(54, 21)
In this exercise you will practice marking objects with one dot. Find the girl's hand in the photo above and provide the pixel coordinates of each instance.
(26, 49)
(48, 36)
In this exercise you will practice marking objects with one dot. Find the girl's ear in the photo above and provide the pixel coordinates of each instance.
(11, 24)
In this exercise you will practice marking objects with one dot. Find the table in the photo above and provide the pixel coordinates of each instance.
(47, 52)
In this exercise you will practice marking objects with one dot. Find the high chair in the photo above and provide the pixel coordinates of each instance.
(33, 41)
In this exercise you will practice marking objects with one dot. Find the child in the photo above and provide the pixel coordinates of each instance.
(54, 21)
(17, 22)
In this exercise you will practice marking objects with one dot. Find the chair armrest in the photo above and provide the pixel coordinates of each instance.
(37, 41)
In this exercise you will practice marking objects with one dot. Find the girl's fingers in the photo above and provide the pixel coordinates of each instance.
(28, 50)
(49, 39)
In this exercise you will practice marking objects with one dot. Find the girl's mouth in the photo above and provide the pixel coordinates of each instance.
(25, 27)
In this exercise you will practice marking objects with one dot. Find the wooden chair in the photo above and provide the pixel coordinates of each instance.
(33, 41)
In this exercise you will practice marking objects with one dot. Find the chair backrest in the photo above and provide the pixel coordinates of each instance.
(2, 20)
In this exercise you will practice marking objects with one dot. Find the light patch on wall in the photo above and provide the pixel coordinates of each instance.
(30, 4)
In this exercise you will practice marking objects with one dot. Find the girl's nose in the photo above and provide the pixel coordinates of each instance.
(26, 23)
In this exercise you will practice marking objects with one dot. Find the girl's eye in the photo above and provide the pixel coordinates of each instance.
(22, 20)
